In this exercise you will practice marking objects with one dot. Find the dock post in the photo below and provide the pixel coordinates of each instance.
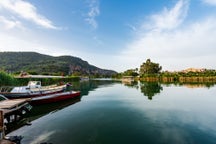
(2, 126)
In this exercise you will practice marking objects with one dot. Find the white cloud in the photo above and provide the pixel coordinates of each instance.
(210, 2)
(93, 13)
(133, 28)
(175, 46)
(168, 19)
(44, 136)
(98, 41)
(12, 41)
(10, 23)
(26, 11)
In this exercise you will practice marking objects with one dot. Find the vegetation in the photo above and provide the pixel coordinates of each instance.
(149, 68)
(35, 63)
(6, 79)
(151, 72)
(47, 81)
(10, 80)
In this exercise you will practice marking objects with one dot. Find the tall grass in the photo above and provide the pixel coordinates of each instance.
(7, 79)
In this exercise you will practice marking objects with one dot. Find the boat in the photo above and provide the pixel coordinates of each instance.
(51, 98)
(83, 79)
(33, 89)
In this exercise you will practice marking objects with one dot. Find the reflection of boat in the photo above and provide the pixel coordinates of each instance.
(39, 111)
(83, 79)
(54, 97)
(33, 89)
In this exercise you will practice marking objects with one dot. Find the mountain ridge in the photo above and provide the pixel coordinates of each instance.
(37, 63)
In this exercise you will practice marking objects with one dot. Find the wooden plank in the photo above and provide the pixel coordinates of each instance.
(7, 104)
(6, 142)
(2, 126)
(1, 120)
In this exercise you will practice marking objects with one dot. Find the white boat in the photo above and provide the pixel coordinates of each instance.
(33, 89)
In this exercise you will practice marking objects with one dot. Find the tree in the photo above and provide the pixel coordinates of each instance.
(150, 89)
(131, 72)
(149, 67)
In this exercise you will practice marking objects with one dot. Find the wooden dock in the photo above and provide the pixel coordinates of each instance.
(11, 110)
(6, 142)
(10, 105)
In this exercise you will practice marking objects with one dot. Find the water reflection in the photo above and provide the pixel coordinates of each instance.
(132, 84)
(197, 85)
(192, 85)
(39, 111)
(117, 113)
(91, 85)
(150, 89)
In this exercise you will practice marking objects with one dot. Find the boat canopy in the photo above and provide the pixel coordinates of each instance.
(34, 84)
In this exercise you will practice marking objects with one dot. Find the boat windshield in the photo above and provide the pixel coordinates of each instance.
(2, 98)
(23, 89)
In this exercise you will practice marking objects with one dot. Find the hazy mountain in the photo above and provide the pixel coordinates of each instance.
(37, 63)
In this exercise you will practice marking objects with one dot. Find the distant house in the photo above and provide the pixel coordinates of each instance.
(193, 70)
(127, 79)
(23, 74)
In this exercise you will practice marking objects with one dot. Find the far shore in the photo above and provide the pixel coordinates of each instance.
(198, 79)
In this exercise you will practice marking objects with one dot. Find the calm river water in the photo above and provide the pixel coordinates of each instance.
(115, 113)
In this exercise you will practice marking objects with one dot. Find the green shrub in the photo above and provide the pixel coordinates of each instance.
(7, 79)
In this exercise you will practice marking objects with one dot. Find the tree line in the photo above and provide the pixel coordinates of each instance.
(152, 71)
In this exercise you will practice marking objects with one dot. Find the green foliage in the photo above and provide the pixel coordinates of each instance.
(117, 75)
(149, 67)
(48, 81)
(36, 63)
(131, 72)
(6, 79)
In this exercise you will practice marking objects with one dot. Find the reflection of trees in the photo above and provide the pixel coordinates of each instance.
(149, 89)
(198, 85)
(90, 85)
(132, 84)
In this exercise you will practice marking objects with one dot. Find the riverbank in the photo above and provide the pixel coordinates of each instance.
(181, 79)
(10, 80)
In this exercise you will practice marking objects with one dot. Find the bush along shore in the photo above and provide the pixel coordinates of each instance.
(7, 79)
(181, 79)
(10, 80)
(151, 72)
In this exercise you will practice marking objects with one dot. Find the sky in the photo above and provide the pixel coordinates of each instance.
(114, 34)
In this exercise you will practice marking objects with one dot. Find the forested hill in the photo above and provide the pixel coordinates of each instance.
(36, 63)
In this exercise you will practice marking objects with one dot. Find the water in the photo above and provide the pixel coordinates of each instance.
(114, 113)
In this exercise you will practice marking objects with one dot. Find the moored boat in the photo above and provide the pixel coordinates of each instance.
(54, 97)
(33, 89)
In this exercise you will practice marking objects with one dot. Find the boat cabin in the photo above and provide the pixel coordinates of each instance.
(25, 89)
(34, 84)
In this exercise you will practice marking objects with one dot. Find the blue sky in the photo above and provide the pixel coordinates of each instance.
(114, 34)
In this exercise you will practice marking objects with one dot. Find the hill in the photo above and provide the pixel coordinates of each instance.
(37, 63)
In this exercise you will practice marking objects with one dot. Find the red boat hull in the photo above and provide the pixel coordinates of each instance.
(54, 97)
